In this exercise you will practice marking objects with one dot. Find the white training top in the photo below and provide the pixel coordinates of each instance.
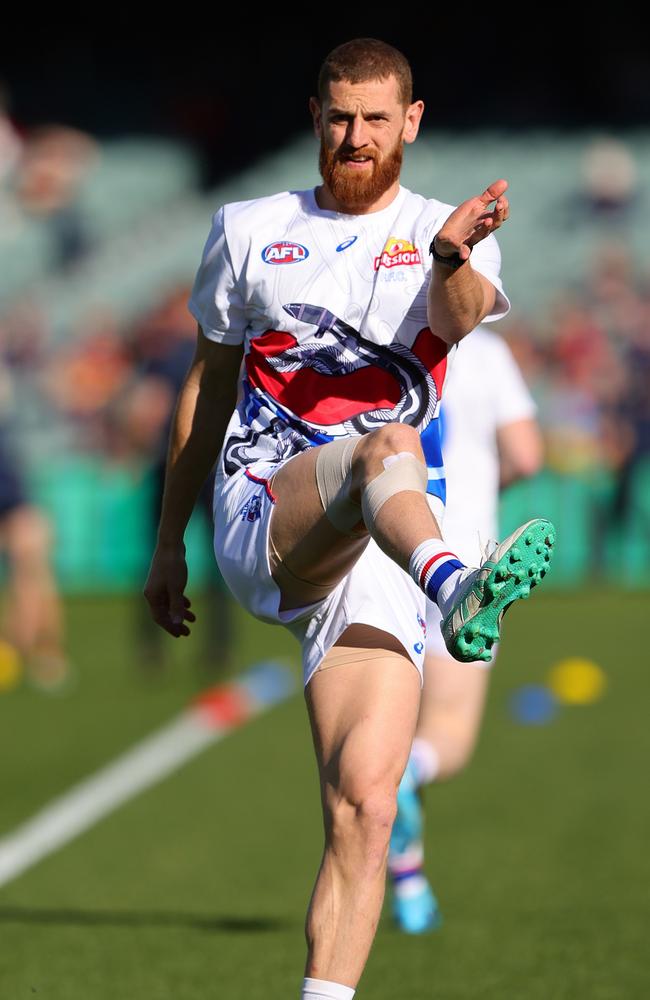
(485, 391)
(332, 311)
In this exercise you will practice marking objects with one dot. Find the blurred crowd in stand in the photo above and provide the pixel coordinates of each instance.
(588, 363)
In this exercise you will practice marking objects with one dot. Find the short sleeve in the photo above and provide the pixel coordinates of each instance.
(486, 259)
(216, 301)
(513, 400)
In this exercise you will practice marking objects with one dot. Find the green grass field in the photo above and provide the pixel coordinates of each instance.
(198, 888)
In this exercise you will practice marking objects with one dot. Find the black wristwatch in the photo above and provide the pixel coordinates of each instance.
(454, 261)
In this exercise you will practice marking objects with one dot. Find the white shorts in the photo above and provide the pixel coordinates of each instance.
(376, 592)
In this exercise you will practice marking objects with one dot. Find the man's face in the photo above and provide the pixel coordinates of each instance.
(362, 129)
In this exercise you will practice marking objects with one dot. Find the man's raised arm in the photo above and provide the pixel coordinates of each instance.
(460, 297)
(204, 407)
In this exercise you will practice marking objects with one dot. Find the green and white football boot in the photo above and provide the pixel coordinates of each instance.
(508, 572)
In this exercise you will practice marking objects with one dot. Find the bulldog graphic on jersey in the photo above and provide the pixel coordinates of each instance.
(336, 384)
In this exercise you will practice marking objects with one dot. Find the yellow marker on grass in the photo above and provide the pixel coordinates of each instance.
(10, 666)
(577, 681)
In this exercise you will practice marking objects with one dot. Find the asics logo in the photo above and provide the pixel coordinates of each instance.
(346, 243)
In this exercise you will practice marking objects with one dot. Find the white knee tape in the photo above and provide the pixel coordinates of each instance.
(333, 478)
(403, 472)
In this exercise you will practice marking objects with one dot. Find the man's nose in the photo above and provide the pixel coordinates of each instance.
(357, 136)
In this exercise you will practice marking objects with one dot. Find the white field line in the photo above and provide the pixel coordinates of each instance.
(78, 809)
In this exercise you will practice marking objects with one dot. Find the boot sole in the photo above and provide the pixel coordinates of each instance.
(522, 566)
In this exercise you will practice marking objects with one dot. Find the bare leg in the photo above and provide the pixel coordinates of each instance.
(33, 615)
(363, 717)
(362, 713)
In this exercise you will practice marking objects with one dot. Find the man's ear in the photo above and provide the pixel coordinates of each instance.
(317, 115)
(412, 121)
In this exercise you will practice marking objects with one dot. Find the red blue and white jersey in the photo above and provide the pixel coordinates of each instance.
(332, 311)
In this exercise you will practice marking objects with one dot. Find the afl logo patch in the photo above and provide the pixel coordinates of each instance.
(284, 253)
(346, 243)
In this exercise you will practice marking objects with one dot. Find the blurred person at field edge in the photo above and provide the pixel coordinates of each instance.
(163, 345)
(486, 446)
(32, 613)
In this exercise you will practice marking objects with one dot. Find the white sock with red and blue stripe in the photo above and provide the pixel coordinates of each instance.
(437, 571)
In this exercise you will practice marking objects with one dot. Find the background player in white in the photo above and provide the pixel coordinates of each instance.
(490, 439)
(339, 540)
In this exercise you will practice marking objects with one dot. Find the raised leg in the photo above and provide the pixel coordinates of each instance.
(309, 555)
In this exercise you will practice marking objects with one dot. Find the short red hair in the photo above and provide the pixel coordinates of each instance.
(366, 59)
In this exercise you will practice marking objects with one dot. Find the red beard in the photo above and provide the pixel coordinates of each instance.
(358, 190)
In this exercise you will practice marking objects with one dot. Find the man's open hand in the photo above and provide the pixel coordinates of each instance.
(164, 590)
(472, 221)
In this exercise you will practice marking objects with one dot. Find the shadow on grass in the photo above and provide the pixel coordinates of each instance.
(144, 918)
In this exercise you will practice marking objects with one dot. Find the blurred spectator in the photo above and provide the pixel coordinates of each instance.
(83, 378)
(55, 161)
(609, 181)
(10, 142)
(11, 147)
(570, 421)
